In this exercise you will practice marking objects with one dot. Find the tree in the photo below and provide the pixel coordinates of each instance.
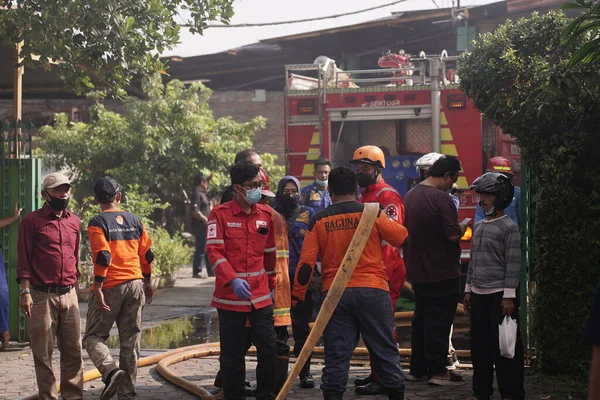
(518, 77)
(584, 28)
(103, 42)
(159, 144)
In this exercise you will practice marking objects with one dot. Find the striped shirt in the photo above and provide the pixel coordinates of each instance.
(495, 257)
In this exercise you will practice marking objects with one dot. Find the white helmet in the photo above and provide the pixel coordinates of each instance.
(425, 162)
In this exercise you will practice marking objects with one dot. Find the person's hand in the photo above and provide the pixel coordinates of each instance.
(100, 301)
(508, 306)
(204, 219)
(148, 292)
(25, 304)
(241, 288)
(17, 211)
(5, 339)
(467, 302)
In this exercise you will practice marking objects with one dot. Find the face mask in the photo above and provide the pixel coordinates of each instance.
(321, 183)
(253, 196)
(289, 201)
(490, 212)
(57, 204)
(364, 180)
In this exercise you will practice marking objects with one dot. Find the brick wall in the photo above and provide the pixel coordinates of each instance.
(242, 106)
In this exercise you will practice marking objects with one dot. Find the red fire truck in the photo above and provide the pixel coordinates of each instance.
(411, 109)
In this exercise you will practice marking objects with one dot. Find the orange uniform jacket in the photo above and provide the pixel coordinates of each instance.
(283, 299)
(329, 235)
(121, 248)
(393, 206)
(241, 245)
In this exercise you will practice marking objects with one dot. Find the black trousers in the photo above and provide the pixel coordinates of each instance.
(435, 307)
(199, 231)
(233, 339)
(301, 316)
(486, 315)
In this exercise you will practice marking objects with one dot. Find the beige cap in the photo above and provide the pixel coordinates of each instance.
(54, 180)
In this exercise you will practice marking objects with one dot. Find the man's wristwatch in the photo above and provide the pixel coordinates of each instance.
(24, 291)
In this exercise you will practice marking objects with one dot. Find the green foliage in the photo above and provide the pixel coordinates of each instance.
(584, 28)
(103, 42)
(518, 76)
(159, 144)
(170, 254)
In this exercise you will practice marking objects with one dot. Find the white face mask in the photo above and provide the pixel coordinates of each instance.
(322, 183)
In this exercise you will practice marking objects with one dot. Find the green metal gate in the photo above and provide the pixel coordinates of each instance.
(20, 181)
(526, 222)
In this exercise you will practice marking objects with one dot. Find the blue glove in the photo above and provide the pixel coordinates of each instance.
(241, 288)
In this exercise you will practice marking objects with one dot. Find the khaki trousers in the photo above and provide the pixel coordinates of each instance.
(56, 316)
(125, 302)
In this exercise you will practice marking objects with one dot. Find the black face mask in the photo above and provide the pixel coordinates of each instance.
(364, 180)
(289, 201)
(57, 204)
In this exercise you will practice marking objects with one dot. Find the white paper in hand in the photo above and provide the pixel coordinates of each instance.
(507, 334)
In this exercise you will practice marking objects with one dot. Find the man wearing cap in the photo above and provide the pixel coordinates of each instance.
(122, 255)
(47, 270)
(200, 210)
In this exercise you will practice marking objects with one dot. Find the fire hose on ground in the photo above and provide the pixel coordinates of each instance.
(164, 360)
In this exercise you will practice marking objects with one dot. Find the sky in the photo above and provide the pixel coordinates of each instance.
(216, 40)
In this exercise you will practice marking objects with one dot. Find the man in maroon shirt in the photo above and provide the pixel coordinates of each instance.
(48, 250)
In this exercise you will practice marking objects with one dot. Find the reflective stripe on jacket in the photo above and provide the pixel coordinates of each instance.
(241, 245)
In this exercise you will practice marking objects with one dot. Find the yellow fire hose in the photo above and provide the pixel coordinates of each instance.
(168, 358)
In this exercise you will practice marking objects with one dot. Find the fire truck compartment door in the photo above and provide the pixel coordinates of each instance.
(379, 113)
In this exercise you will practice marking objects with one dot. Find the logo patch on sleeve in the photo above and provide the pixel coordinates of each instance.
(212, 231)
(391, 211)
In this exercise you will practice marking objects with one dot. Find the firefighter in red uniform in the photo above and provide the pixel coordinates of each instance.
(241, 248)
(369, 161)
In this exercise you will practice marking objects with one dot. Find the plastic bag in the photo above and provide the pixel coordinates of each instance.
(507, 335)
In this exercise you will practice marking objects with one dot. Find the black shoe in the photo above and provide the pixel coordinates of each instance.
(306, 380)
(371, 389)
(395, 394)
(332, 395)
(363, 381)
(113, 381)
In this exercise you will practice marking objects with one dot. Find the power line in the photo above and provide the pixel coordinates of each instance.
(302, 20)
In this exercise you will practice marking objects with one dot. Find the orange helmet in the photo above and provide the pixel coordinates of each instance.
(499, 164)
(264, 177)
(370, 155)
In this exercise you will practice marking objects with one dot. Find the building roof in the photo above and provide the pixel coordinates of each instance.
(261, 65)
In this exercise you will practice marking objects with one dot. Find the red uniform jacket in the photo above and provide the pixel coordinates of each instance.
(391, 202)
(241, 245)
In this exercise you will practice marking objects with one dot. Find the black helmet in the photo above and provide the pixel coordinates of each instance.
(497, 184)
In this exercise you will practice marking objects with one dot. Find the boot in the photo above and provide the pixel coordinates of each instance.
(306, 379)
(395, 394)
(363, 381)
(281, 372)
(371, 389)
(332, 395)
